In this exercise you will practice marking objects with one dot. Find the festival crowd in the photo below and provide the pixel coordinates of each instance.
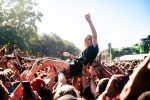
(84, 77)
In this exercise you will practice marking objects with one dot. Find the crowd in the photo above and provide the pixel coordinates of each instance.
(41, 79)
(85, 77)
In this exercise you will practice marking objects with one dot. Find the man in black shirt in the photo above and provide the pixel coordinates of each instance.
(88, 55)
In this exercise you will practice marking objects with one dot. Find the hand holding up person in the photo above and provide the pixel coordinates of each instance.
(84, 78)
(92, 71)
(34, 69)
(92, 81)
(59, 65)
(50, 79)
(23, 76)
(35, 66)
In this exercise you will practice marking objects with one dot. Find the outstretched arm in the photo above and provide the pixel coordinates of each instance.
(69, 55)
(94, 40)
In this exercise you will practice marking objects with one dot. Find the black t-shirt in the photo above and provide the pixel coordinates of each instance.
(87, 56)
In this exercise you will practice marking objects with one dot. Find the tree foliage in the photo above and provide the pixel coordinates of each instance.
(21, 15)
(52, 45)
(138, 48)
(146, 44)
(10, 39)
(18, 29)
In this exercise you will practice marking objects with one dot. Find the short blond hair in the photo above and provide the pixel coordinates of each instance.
(66, 89)
(88, 36)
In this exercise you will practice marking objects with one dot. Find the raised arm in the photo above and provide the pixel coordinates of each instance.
(94, 34)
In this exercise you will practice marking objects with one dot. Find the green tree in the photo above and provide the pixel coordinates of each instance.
(10, 39)
(138, 48)
(52, 45)
(18, 30)
(115, 53)
(146, 44)
(141, 48)
(22, 16)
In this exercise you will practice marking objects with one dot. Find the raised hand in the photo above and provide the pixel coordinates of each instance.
(112, 87)
(94, 33)
(35, 66)
(92, 71)
(88, 18)
(23, 76)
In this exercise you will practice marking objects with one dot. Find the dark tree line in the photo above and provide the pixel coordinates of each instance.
(146, 43)
(139, 48)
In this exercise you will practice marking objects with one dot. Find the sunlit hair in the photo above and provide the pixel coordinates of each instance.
(88, 37)
(144, 96)
(64, 90)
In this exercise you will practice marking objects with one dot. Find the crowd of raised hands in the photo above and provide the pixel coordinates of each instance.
(45, 79)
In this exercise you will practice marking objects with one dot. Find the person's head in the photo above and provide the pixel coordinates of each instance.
(69, 97)
(39, 85)
(46, 94)
(77, 82)
(144, 96)
(101, 86)
(88, 40)
(64, 90)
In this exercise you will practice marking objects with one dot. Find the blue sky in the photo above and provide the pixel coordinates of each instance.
(120, 22)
